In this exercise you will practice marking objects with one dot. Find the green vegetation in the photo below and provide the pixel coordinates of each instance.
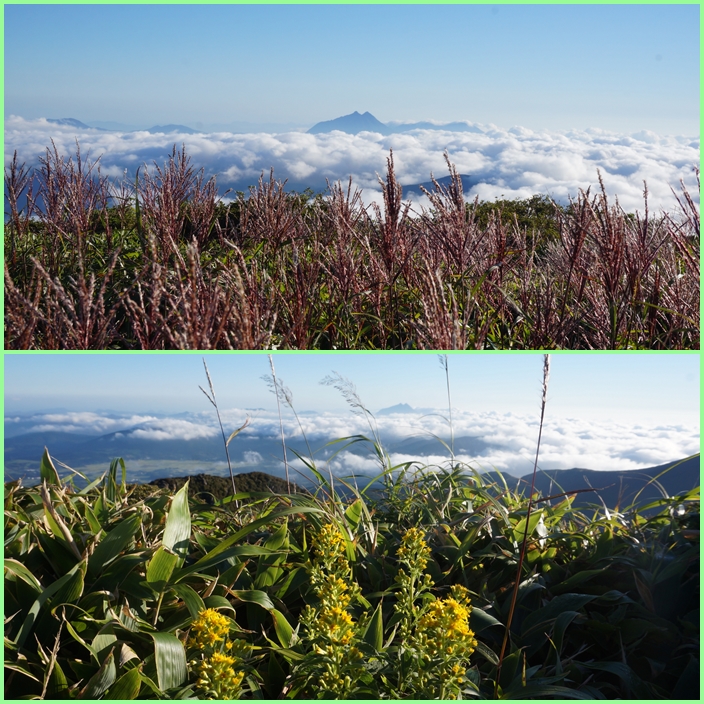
(164, 263)
(442, 584)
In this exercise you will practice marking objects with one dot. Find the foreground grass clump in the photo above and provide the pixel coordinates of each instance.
(401, 596)
(164, 264)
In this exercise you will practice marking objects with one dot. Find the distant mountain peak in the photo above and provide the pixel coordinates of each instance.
(170, 129)
(69, 122)
(398, 408)
(352, 124)
(366, 122)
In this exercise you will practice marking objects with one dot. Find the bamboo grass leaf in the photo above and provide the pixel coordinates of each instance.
(254, 596)
(101, 680)
(47, 471)
(17, 568)
(126, 687)
(283, 629)
(160, 568)
(114, 542)
(374, 632)
(71, 578)
(170, 658)
(194, 602)
(177, 531)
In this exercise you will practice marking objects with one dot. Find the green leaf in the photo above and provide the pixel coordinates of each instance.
(254, 596)
(480, 620)
(170, 658)
(52, 589)
(374, 633)
(58, 684)
(283, 629)
(215, 556)
(575, 579)
(160, 568)
(127, 687)
(278, 539)
(113, 543)
(18, 569)
(47, 471)
(177, 532)
(101, 680)
(93, 522)
(214, 601)
(558, 605)
(191, 598)
(353, 513)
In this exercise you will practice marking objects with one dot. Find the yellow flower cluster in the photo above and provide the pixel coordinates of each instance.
(218, 676)
(330, 628)
(208, 629)
(329, 548)
(414, 549)
(436, 634)
(444, 628)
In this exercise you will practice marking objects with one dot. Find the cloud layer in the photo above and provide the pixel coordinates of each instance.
(507, 441)
(513, 163)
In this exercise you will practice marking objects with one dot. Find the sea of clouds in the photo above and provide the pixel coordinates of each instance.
(510, 163)
(485, 441)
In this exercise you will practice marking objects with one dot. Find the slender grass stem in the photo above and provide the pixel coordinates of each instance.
(281, 422)
(517, 583)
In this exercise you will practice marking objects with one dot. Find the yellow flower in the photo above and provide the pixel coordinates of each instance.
(414, 550)
(218, 677)
(210, 628)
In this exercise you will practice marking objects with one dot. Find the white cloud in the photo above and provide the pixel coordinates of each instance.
(81, 422)
(484, 440)
(173, 429)
(515, 163)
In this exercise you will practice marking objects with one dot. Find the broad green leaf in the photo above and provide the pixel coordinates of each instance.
(283, 629)
(254, 596)
(210, 559)
(177, 531)
(374, 633)
(105, 638)
(72, 590)
(217, 556)
(101, 680)
(480, 620)
(561, 623)
(544, 691)
(47, 471)
(549, 612)
(217, 602)
(127, 687)
(9, 665)
(278, 539)
(191, 598)
(18, 569)
(353, 513)
(113, 543)
(160, 568)
(170, 658)
(51, 590)
(92, 519)
(58, 684)
(575, 579)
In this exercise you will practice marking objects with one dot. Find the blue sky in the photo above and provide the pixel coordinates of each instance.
(604, 410)
(628, 387)
(616, 67)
